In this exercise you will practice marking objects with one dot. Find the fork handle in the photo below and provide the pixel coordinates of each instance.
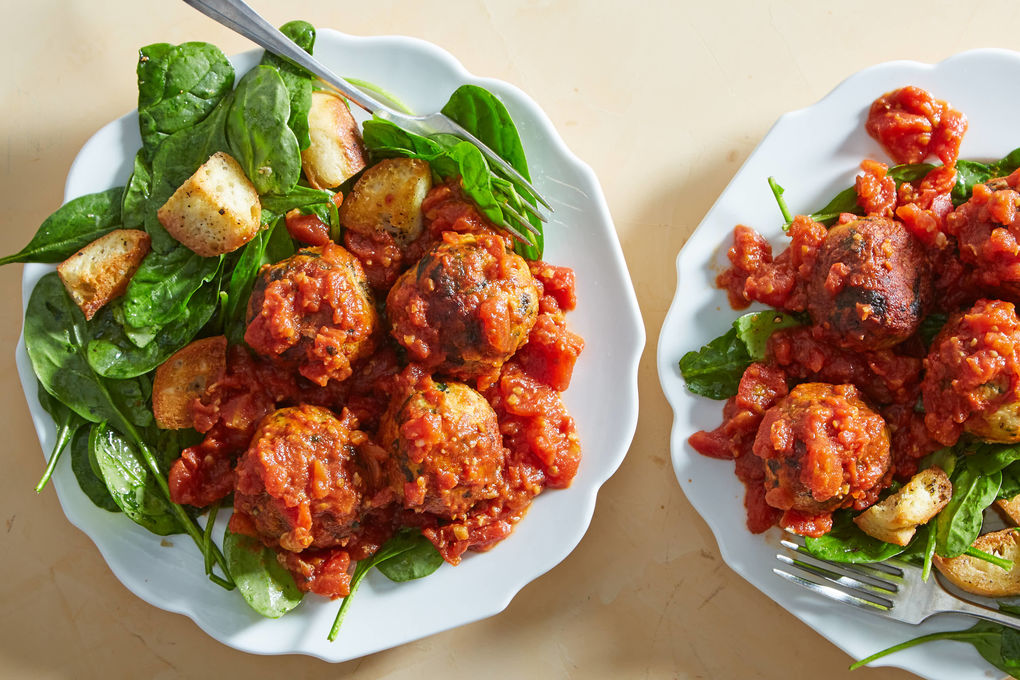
(980, 612)
(238, 16)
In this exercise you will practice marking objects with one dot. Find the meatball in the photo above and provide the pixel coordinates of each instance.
(871, 284)
(824, 449)
(299, 480)
(445, 446)
(987, 229)
(313, 312)
(466, 307)
(972, 375)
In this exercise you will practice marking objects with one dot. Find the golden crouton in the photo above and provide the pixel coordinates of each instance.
(335, 153)
(101, 270)
(1010, 509)
(216, 210)
(895, 519)
(980, 577)
(388, 198)
(184, 377)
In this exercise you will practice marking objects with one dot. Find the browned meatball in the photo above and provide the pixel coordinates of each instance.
(466, 307)
(871, 284)
(313, 312)
(823, 448)
(298, 480)
(446, 448)
(972, 375)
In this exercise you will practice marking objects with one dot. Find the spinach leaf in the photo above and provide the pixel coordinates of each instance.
(959, 523)
(988, 459)
(755, 329)
(257, 131)
(162, 287)
(112, 354)
(74, 225)
(130, 482)
(930, 327)
(297, 80)
(846, 200)
(266, 586)
(969, 173)
(177, 159)
(715, 370)
(68, 423)
(178, 86)
(420, 560)
(89, 481)
(1010, 486)
(403, 541)
(847, 543)
(136, 194)
(482, 114)
(275, 205)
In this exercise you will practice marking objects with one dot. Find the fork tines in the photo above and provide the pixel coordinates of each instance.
(867, 586)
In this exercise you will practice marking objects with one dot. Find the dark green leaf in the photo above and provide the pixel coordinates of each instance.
(847, 543)
(959, 523)
(178, 87)
(987, 459)
(136, 195)
(482, 114)
(969, 173)
(266, 586)
(67, 423)
(297, 80)
(714, 371)
(91, 484)
(74, 225)
(418, 561)
(930, 327)
(162, 287)
(269, 245)
(257, 130)
(1010, 486)
(131, 484)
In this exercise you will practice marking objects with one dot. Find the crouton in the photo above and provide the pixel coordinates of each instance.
(388, 198)
(184, 377)
(1010, 509)
(100, 271)
(216, 210)
(335, 153)
(981, 577)
(895, 519)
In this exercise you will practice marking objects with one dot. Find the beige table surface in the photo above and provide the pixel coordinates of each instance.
(645, 594)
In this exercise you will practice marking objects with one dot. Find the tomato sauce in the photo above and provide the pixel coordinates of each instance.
(911, 125)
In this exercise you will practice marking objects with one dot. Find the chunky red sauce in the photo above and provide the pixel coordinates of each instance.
(911, 125)
(361, 447)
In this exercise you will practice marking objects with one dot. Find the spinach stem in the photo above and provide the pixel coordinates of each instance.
(207, 536)
(1000, 562)
(947, 635)
(360, 572)
(64, 434)
(778, 192)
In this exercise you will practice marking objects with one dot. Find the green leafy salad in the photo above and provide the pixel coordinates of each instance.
(980, 472)
(95, 375)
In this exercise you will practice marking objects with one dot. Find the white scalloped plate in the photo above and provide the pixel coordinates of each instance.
(602, 398)
(814, 153)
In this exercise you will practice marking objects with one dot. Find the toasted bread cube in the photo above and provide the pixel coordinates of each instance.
(216, 210)
(1010, 507)
(101, 270)
(184, 377)
(981, 577)
(335, 153)
(388, 198)
(895, 519)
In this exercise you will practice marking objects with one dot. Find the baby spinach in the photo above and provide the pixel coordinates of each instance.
(405, 540)
(162, 287)
(68, 423)
(297, 80)
(84, 469)
(257, 131)
(178, 86)
(132, 485)
(420, 560)
(847, 543)
(74, 225)
(959, 523)
(756, 328)
(136, 194)
(112, 354)
(266, 586)
(269, 245)
(482, 114)
(1010, 486)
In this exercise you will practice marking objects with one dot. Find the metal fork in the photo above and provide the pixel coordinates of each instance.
(241, 18)
(895, 591)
